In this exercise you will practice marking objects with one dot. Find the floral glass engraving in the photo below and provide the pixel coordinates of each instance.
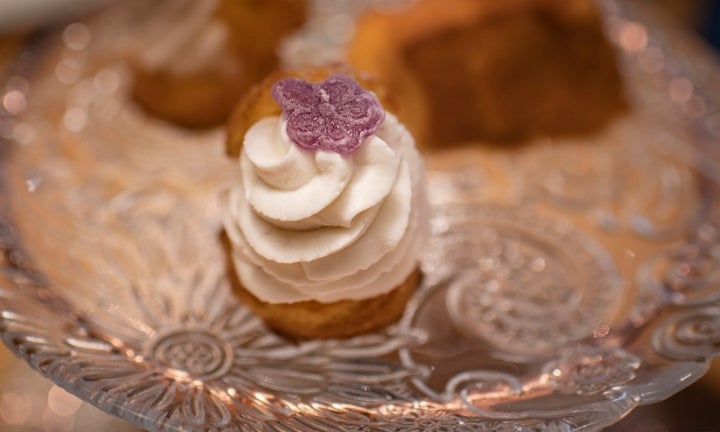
(588, 371)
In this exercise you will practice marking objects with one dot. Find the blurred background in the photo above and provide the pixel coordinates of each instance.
(29, 402)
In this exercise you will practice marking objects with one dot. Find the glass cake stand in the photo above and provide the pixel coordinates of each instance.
(566, 282)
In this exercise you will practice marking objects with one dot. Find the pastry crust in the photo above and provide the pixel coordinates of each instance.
(204, 98)
(315, 320)
(491, 71)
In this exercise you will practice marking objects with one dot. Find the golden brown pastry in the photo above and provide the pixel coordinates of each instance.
(325, 228)
(483, 70)
(195, 71)
(314, 320)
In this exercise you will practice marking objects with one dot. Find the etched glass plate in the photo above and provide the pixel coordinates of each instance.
(565, 283)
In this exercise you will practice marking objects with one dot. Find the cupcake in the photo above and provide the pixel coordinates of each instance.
(201, 56)
(325, 225)
(481, 70)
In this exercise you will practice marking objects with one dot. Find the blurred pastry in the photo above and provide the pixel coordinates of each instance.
(202, 55)
(326, 225)
(484, 70)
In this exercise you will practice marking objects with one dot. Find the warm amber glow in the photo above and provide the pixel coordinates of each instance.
(76, 36)
(633, 37)
(680, 90)
(62, 403)
(14, 102)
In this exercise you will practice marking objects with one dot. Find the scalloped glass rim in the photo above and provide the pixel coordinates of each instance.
(74, 349)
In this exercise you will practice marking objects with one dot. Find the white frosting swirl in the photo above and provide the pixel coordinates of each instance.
(316, 225)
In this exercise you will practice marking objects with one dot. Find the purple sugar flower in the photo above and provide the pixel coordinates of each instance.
(334, 115)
